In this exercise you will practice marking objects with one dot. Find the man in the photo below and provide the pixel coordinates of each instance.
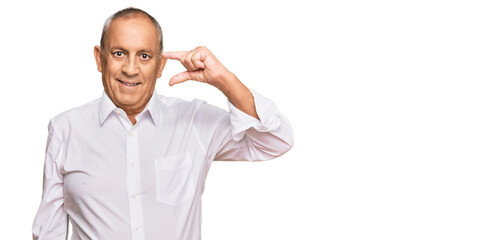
(132, 164)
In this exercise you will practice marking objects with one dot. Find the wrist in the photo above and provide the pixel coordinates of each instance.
(228, 83)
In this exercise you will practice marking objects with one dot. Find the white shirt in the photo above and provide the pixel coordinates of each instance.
(113, 180)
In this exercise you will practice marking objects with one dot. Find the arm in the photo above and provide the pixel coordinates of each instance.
(51, 221)
(241, 137)
(239, 95)
(254, 129)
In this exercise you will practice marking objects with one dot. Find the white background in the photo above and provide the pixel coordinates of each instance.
(396, 107)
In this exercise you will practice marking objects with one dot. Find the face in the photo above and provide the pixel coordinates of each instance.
(130, 62)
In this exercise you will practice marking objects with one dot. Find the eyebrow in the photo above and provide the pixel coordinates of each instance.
(113, 49)
(124, 50)
(146, 50)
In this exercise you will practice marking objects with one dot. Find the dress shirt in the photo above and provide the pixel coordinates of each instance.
(116, 181)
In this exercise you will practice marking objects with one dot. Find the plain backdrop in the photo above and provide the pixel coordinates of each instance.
(396, 107)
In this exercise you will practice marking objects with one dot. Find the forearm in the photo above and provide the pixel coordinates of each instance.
(238, 94)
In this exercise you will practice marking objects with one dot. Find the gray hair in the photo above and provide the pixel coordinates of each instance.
(128, 12)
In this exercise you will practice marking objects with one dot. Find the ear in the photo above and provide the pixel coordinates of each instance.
(161, 66)
(97, 57)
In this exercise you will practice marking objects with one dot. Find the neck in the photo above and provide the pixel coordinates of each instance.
(132, 111)
(132, 118)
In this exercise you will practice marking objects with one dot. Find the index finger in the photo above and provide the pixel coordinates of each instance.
(174, 55)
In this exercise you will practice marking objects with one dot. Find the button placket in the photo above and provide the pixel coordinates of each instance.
(134, 187)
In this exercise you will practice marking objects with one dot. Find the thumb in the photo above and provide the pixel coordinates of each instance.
(184, 76)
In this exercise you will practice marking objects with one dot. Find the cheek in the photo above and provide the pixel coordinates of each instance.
(113, 67)
(150, 73)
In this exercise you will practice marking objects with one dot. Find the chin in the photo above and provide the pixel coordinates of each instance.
(128, 100)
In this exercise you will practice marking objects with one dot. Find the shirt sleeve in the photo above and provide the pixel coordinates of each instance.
(51, 221)
(239, 136)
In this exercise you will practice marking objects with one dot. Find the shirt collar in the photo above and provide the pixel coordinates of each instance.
(107, 107)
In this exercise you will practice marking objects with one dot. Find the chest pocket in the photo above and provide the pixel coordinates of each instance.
(175, 180)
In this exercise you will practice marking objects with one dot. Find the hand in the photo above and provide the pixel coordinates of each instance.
(201, 66)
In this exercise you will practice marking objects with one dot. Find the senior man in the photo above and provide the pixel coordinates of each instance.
(132, 165)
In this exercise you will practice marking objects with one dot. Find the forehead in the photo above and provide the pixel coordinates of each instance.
(133, 33)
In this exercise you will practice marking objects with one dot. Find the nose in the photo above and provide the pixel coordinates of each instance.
(130, 67)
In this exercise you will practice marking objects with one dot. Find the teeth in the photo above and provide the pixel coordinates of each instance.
(129, 84)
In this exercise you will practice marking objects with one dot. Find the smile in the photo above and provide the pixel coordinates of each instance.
(129, 84)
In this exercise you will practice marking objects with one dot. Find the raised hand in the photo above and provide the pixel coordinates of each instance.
(203, 66)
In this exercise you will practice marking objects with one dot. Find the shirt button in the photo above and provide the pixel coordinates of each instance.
(117, 111)
(134, 196)
(132, 164)
(131, 134)
(137, 228)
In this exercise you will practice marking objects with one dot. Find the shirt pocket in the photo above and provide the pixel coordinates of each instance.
(174, 177)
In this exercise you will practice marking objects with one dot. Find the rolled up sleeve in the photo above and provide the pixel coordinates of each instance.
(242, 137)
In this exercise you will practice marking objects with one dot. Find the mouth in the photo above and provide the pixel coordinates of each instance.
(129, 84)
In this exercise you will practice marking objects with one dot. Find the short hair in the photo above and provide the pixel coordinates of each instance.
(129, 12)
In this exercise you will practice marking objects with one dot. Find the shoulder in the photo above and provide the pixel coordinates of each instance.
(196, 109)
(167, 102)
(193, 106)
(76, 115)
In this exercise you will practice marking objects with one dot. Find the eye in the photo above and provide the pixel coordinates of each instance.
(144, 56)
(118, 53)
